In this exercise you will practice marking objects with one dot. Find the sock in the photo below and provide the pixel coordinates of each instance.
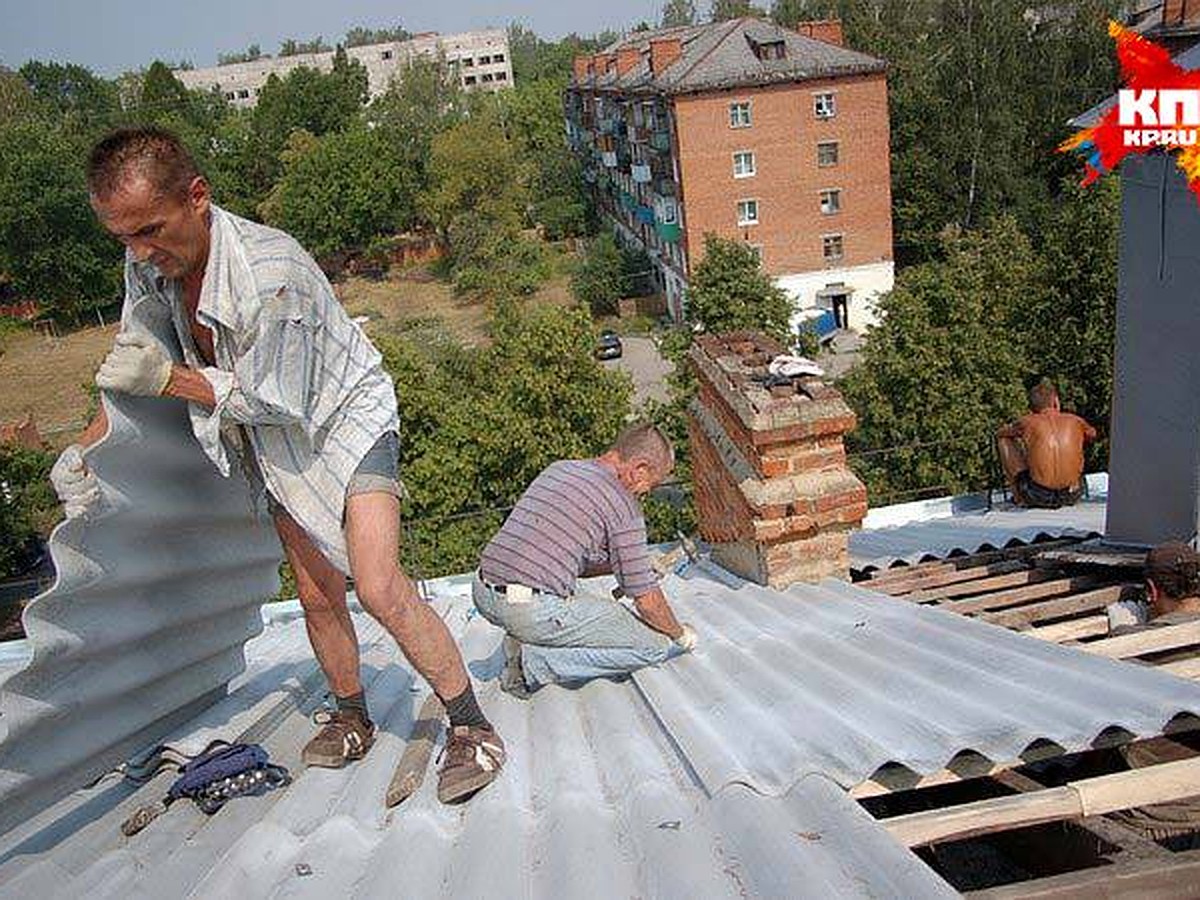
(354, 703)
(464, 710)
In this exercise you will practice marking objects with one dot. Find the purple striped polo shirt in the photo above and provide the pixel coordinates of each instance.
(576, 515)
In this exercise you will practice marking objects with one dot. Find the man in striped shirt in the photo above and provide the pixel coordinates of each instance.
(577, 519)
(238, 321)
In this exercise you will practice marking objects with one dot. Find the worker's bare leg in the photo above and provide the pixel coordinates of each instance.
(1012, 460)
(388, 594)
(322, 590)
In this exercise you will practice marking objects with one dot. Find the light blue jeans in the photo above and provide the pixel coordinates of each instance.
(576, 638)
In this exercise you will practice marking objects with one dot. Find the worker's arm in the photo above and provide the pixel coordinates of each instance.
(1089, 433)
(656, 612)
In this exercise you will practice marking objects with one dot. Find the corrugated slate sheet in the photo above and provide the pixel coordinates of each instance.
(597, 801)
(842, 681)
(968, 531)
(156, 595)
(720, 774)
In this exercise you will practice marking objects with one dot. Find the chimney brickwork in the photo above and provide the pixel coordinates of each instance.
(773, 495)
(827, 30)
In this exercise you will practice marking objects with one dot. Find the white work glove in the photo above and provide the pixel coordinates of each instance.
(686, 641)
(75, 485)
(136, 365)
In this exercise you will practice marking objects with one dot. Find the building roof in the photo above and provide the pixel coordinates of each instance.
(721, 55)
(935, 529)
(723, 773)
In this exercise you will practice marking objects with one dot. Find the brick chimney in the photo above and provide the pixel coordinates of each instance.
(581, 65)
(827, 30)
(773, 493)
(663, 52)
(627, 59)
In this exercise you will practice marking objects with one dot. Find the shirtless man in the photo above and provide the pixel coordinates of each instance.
(1042, 453)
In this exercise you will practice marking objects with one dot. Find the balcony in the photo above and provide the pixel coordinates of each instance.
(640, 173)
(609, 158)
(661, 141)
(644, 214)
(666, 187)
(670, 232)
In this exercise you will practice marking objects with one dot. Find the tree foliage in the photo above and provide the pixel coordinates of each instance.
(678, 12)
(339, 191)
(250, 54)
(27, 505)
(945, 367)
(51, 246)
(723, 10)
(729, 291)
(481, 423)
(360, 36)
(293, 47)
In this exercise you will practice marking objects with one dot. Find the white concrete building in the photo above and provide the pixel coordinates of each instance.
(480, 59)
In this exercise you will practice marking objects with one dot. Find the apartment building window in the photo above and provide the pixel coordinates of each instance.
(739, 115)
(747, 212)
(497, 57)
(743, 164)
(502, 76)
(486, 76)
(831, 247)
(827, 154)
(484, 60)
(244, 94)
(470, 79)
(831, 201)
(230, 95)
(824, 105)
(468, 61)
(386, 54)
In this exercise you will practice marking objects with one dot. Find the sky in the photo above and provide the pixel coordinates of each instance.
(113, 36)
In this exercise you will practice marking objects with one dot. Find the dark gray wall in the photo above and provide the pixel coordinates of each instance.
(1154, 468)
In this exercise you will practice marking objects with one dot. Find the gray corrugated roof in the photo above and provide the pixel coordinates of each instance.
(721, 55)
(910, 533)
(720, 774)
(597, 801)
(166, 577)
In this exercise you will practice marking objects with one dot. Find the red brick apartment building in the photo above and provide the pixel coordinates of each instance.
(775, 137)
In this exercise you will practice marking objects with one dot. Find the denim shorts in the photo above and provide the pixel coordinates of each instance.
(377, 472)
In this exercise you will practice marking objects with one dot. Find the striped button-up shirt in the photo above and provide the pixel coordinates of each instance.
(293, 375)
(575, 516)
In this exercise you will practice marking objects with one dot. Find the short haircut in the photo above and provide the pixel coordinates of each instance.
(644, 441)
(1042, 395)
(1175, 568)
(150, 152)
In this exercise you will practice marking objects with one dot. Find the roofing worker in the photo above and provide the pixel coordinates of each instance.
(278, 379)
(1042, 453)
(1172, 577)
(577, 519)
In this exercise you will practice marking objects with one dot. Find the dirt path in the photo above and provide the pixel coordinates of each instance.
(48, 377)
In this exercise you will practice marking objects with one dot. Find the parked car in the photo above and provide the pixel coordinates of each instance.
(609, 345)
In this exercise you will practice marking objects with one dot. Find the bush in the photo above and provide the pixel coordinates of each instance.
(28, 506)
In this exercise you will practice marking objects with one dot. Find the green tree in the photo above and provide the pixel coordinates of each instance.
(292, 47)
(729, 291)
(532, 113)
(340, 191)
(250, 54)
(945, 367)
(360, 36)
(163, 93)
(678, 12)
(724, 10)
(487, 421)
(599, 278)
(474, 167)
(788, 12)
(50, 243)
(82, 102)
